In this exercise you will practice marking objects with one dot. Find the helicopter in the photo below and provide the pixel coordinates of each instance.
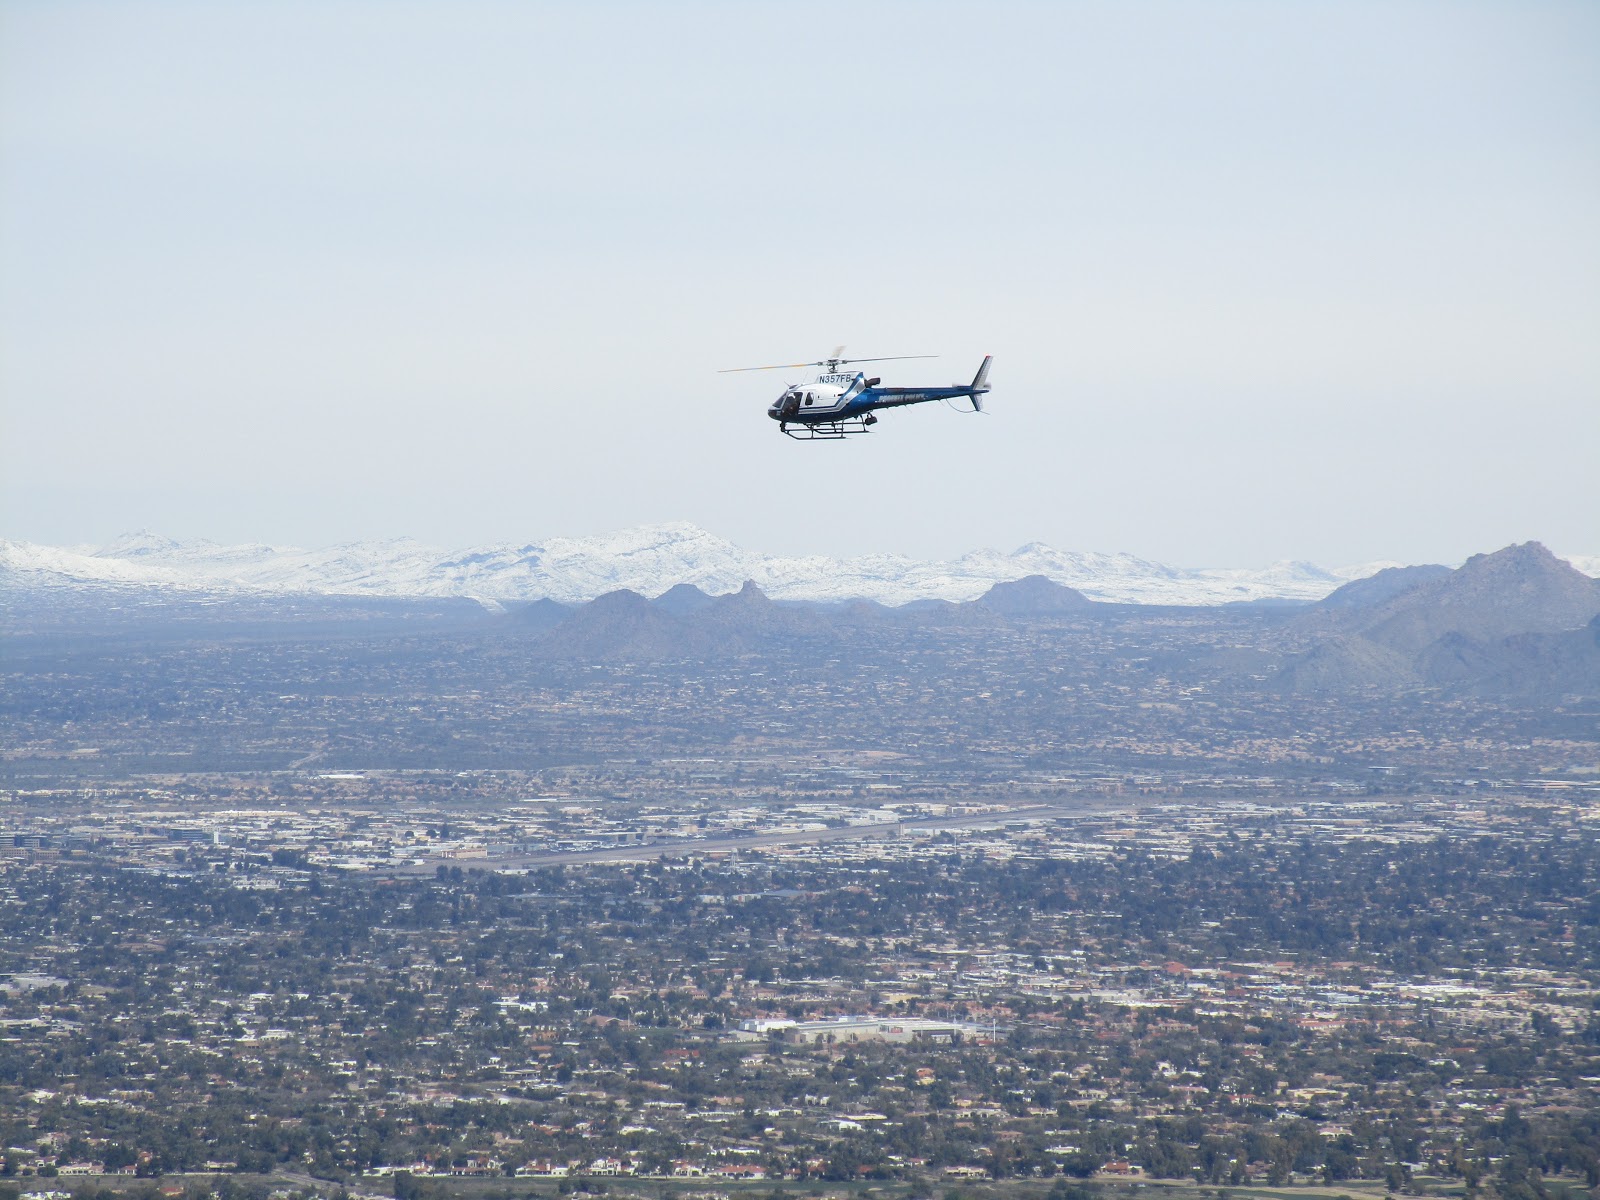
(839, 403)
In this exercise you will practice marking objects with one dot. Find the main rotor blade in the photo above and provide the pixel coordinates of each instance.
(822, 363)
(773, 367)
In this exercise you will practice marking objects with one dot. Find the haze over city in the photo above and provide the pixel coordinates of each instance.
(454, 747)
(1261, 282)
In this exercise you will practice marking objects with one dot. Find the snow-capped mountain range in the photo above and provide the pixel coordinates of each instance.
(649, 560)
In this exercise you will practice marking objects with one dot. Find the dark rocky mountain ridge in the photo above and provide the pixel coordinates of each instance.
(1032, 596)
(1385, 585)
(1512, 620)
(1520, 589)
(1518, 620)
(681, 599)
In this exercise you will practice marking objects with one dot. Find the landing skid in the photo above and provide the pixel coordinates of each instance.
(829, 431)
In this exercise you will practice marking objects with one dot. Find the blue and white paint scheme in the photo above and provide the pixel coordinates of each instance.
(837, 404)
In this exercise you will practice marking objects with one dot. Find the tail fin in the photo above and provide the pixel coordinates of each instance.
(980, 383)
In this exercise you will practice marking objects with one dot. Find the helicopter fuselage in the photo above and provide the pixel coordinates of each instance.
(836, 403)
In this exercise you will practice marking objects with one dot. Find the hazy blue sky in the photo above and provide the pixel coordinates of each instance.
(1262, 280)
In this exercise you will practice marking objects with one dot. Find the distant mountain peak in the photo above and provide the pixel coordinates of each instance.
(748, 605)
(681, 599)
(621, 600)
(1372, 590)
(137, 544)
(1521, 557)
(1518, 589)
(1532, 568)
(1033, 595)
